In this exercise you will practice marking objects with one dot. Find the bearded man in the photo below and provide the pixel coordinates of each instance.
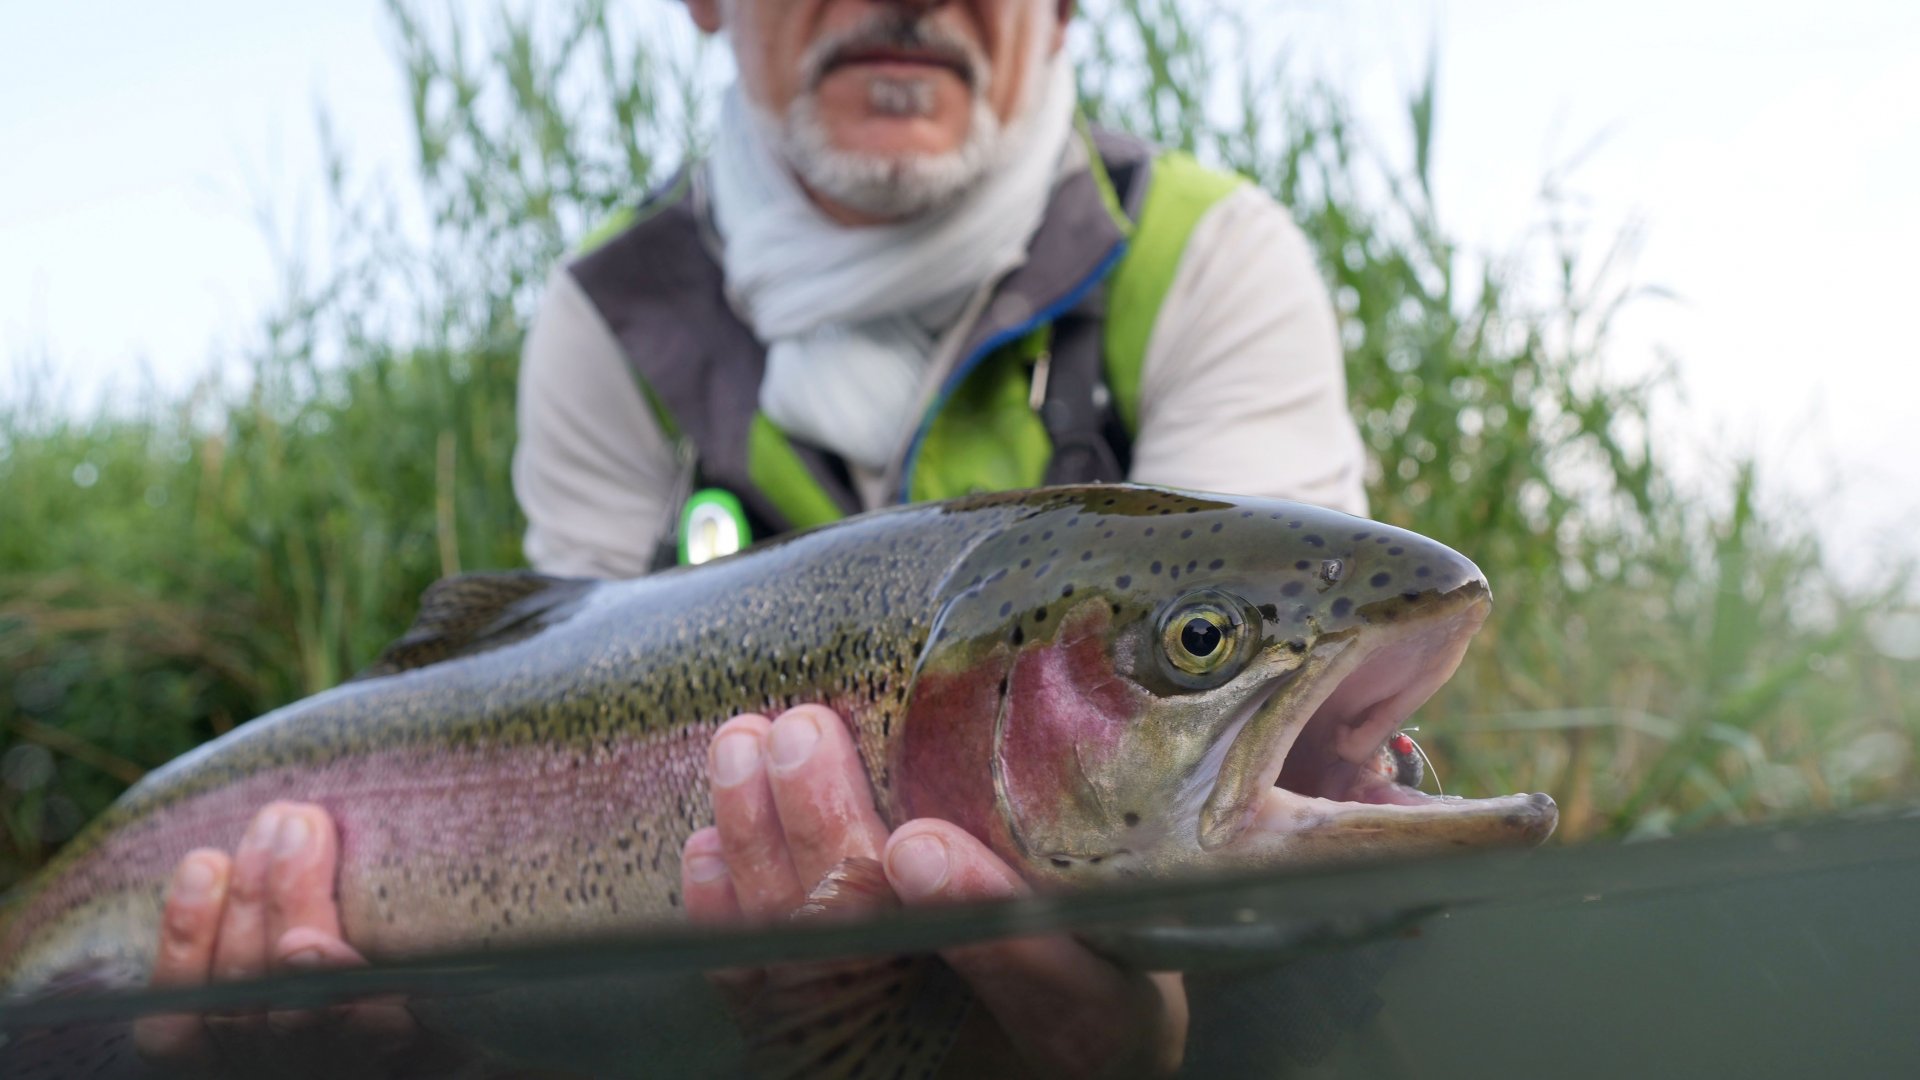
(906, 272)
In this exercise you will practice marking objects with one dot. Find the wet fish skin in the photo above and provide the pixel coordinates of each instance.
(994, 656)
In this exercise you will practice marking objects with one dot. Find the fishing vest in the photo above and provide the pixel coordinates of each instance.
(1046, 389)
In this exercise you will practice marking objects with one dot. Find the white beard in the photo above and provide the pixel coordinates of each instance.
(886, 186)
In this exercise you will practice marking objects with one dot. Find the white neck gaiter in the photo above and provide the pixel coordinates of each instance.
(850, 315)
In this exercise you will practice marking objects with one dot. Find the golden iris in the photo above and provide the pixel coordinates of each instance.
(1200, 639)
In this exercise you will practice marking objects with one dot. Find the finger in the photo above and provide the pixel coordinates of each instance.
(821, 790)
(705, 881)
(748, 821)
(189, 925)
(301, 950)
(708, 887)
(242, 949)
(350, 1038)
(1062, 1005)
(300, 880)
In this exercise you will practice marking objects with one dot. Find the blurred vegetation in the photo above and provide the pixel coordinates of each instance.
(1660, 660)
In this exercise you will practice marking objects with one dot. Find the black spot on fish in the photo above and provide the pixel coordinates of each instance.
(1155, 568)
(1216, 564)
(1048, 535)
(1024, 539)
(1186, 534)
(1192, 565)
(1086, 556)
(1380, 580)
(1396, 551)
(1149, 531)
(1217, 526)
(1361, 535)
(1108, 535)
(1409, 596)
(1381, 539)
(1006, 609)
(1039, 614)
(1024, 563)
(1131, 819)
(1291, 588)
(1314, 539)
(1116, 610)
(1060, 862)
(1174, 573)
(1066, 591)
(1425, 571)
(1019, 636)
(1302, 565)
(1341, 607)
(1123, 581)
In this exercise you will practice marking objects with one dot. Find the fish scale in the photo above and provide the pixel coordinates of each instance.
(525, 763)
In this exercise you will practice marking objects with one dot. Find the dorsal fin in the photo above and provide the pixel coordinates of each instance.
(472, 613)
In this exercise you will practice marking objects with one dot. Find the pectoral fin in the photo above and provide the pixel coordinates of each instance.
(866, 1016)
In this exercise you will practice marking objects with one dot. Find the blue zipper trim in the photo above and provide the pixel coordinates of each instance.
(987, 348)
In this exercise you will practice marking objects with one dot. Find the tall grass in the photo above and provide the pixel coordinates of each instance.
(1660, 659)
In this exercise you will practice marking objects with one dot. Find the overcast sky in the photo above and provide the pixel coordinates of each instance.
(1770, 148)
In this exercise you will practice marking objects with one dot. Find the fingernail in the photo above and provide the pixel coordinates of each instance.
(292, 837)
(736, 758)
(193, 882)
(918, 866)
(265, 827)
(792, 741)
(304, 960)
(706, 868)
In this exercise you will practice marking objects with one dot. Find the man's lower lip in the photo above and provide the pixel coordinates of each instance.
(892, 68)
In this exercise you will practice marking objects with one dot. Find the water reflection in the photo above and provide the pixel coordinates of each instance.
(1770, 952)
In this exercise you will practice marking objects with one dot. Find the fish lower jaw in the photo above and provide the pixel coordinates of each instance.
(1289, 828)
(1354, 695)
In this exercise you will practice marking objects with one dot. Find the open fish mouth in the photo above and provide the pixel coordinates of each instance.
(1299, 778)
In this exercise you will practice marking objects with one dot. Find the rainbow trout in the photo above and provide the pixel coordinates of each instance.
(1102, 683)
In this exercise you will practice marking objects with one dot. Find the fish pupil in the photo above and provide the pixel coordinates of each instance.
(1200, 637)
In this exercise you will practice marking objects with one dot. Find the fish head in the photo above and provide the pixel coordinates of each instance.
(1132, 682)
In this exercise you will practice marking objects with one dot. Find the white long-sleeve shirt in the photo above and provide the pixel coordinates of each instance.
(1243, 390)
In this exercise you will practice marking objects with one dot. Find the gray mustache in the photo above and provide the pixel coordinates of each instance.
(893, 30)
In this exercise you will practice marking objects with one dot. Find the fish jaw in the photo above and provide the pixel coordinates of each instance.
(1294, 783)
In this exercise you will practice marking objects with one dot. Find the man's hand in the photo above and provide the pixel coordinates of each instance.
(791, 800)
(270, 909)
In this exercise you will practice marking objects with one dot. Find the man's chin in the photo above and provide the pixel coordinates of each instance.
(890, 167)
(896, 139)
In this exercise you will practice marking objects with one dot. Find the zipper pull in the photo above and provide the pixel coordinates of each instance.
(1042, 368)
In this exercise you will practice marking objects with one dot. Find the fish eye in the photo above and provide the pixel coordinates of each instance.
(1201, 637)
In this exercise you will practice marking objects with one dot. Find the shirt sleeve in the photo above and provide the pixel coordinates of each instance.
(592, 470)
(1244, 388)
